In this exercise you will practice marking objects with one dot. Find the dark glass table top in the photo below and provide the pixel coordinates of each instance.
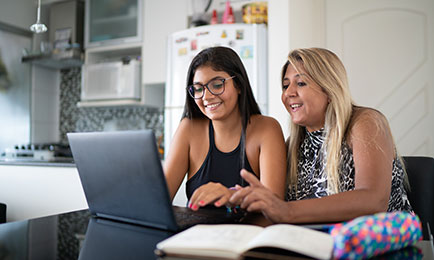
(113, 240)
(77, 235)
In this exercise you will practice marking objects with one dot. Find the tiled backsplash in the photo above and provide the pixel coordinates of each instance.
(86, 119)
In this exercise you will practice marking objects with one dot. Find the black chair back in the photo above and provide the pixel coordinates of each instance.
(2, 213)
(420, 172)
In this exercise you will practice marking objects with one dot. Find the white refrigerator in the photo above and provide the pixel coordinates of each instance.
(248, 40)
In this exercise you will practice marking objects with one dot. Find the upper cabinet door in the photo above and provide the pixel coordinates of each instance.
(111, 22)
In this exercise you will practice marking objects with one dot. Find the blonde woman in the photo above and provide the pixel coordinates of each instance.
(342, 160)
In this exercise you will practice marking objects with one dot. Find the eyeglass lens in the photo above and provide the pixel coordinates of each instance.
(216, 87)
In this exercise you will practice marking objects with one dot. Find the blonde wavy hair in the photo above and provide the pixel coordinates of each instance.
(327, 71)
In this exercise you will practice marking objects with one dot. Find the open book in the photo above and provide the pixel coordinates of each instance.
(238, 241)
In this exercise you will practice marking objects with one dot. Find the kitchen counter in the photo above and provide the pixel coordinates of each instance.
(32, 190)
(67, 162)
(60, 177)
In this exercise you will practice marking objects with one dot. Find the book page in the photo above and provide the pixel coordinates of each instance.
(202, 238)
(297, 239)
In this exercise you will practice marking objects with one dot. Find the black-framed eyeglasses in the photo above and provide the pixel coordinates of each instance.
(215, 87)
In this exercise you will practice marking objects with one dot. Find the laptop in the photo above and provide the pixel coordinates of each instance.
(123, 180)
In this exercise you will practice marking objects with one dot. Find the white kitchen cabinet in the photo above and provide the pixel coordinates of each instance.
(111, 22)
(158, 19)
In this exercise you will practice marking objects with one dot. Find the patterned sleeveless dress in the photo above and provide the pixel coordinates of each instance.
(312, 180)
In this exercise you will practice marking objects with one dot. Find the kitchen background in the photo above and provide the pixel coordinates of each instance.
(48, 105)
(403, 92)
(387, 47)
(386, 70)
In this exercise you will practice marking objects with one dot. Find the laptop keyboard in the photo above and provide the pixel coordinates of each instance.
(186, 217)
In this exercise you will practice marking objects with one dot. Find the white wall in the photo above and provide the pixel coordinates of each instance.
(45, 105)
(291, 24)
(21, 13)
(44, 84)
(388, 50)
(278, 48)
(159, 23)
(15, 98)
(388, 55)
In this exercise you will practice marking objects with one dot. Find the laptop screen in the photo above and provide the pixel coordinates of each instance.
(122, 177)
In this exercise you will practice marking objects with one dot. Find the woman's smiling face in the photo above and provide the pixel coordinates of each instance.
(217, 107)
(305, 100)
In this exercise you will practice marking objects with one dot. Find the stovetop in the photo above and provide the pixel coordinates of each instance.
(39, 152)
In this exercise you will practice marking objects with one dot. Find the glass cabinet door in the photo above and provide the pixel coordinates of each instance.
(112, 22)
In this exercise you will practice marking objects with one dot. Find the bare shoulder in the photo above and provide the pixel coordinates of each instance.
(368, 125)
(367, 118)
(191, 129)
(195, 124)
(264, 123)
(264, 129)
(366, 113)
(189, 132)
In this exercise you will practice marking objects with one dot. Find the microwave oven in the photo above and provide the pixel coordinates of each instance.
(111, 81)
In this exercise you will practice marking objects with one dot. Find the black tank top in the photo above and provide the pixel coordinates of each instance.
(218, 167)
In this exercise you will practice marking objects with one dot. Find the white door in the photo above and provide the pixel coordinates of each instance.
(388, 50)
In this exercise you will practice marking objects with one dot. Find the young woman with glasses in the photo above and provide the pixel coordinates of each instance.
(221, 132)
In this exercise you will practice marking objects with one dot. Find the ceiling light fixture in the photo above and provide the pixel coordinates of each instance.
(38, 27)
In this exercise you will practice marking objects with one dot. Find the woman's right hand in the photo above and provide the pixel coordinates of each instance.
(257, 197)
(211, 192)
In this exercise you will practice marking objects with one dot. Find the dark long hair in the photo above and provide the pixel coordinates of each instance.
(227, 60)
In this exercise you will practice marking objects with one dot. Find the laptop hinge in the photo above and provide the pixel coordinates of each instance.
(134, 221)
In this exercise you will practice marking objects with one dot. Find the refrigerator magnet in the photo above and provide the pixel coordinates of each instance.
(246, 52)
(224, 34)
(180, 40)
(193, 45)
(202, 33)
(182, 51)
(239, 34)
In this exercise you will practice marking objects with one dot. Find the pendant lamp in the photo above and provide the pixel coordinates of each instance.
(38, 27)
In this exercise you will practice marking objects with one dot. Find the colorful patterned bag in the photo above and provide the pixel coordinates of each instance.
(372, 235)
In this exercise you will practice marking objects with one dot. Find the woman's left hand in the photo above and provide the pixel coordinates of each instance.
(211, 192)
(257, 197)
